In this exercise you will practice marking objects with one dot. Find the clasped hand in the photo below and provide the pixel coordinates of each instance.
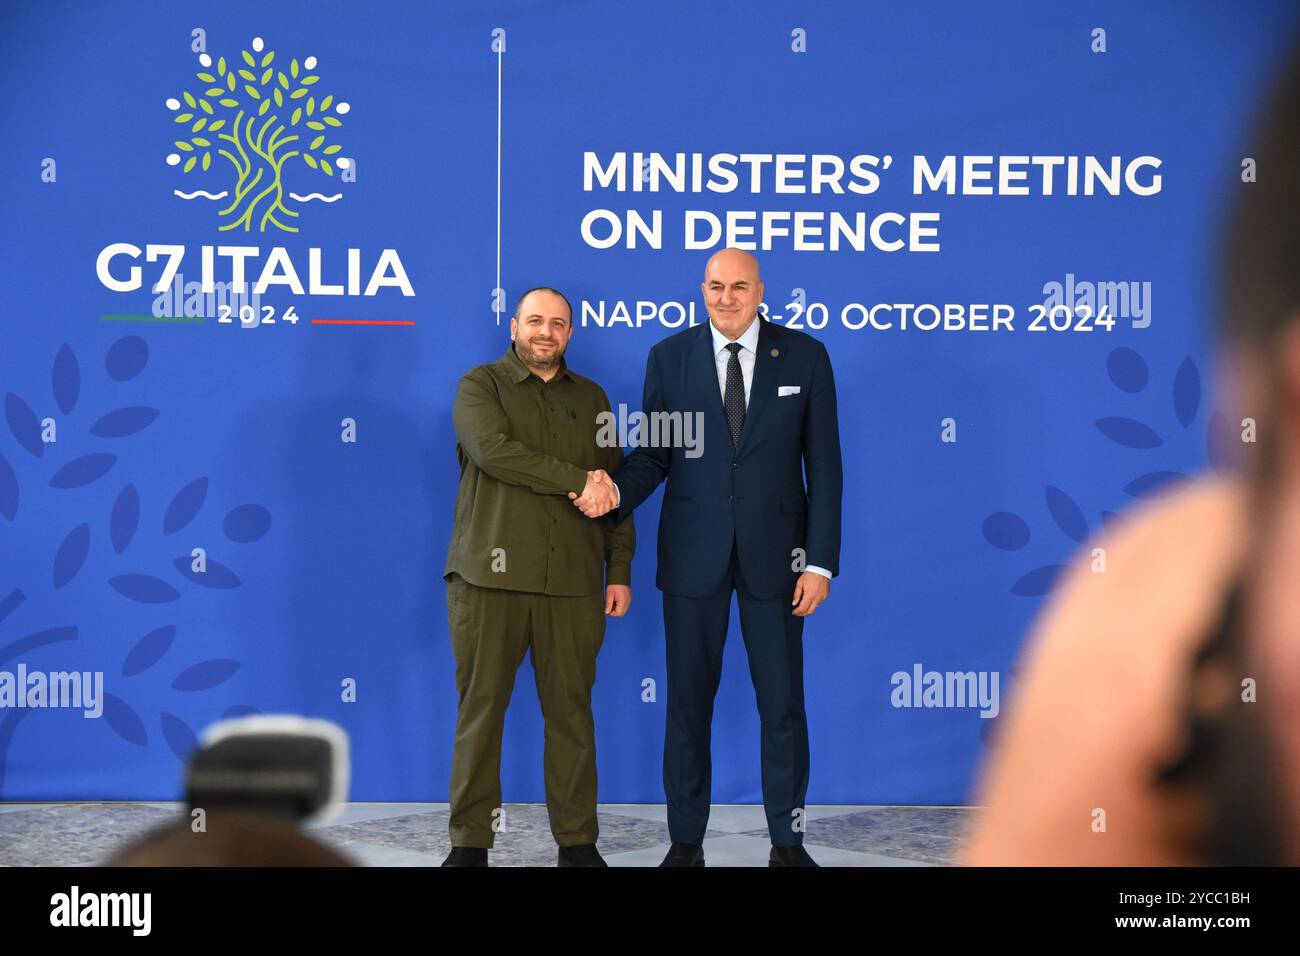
(597, 496)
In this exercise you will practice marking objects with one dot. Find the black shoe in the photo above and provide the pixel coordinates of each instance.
(466, 856)
(584, 854)
(790, 856)
(684, 854)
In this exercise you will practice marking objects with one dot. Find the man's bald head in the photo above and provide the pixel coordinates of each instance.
(732, 262)
(733, 290)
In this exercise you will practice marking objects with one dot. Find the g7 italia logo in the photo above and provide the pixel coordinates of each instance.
(262, 122)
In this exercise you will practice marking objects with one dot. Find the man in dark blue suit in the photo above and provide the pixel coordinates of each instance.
(738, 517)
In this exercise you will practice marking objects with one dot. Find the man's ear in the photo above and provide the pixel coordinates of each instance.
(514, 327)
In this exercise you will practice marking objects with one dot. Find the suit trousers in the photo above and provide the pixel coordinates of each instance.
(695, 631)
(491, 629)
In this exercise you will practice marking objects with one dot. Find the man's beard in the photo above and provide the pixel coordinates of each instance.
(535, 361)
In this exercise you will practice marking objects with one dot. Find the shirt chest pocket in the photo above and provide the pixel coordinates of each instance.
(570, 431)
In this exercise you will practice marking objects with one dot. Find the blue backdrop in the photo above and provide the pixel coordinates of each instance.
(128, 443)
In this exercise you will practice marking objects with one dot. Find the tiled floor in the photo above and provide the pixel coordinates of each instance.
(415, 834)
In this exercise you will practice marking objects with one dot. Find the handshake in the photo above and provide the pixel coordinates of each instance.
(598, 495)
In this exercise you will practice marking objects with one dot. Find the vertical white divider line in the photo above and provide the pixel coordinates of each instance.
(497, 297)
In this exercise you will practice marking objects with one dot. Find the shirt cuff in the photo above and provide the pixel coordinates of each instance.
(618, 497)
(816, 570)
(580, 476)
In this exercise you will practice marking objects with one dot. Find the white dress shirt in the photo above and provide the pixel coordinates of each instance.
(748, 352)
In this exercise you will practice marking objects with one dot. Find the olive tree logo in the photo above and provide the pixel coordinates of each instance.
(257, 115)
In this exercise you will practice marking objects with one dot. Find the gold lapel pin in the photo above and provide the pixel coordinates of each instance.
(775, 352)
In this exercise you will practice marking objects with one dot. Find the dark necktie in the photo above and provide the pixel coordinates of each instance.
(734, 396)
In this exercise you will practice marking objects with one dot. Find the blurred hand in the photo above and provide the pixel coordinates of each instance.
(618, 598)
(809, 592)
(597, 496)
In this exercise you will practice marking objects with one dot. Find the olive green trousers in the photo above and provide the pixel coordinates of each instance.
(491, 629)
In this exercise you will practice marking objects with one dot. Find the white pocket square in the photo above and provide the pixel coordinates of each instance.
(784, 390)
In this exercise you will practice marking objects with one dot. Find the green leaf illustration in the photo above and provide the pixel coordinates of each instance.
(259, 204)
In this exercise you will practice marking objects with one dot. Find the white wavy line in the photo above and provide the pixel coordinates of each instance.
(200, 192)
(333, 198)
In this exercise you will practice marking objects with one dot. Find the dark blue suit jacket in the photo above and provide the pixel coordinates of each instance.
(752, 493)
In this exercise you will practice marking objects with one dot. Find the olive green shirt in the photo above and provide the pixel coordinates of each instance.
(523, 445)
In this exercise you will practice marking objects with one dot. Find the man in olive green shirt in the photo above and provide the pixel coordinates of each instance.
(526, 570)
